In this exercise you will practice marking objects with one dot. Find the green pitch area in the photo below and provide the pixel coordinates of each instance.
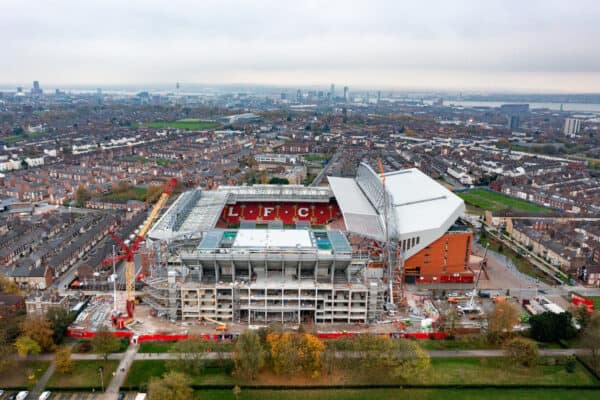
(493, 201)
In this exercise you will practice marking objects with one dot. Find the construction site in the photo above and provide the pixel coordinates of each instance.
(381, 252)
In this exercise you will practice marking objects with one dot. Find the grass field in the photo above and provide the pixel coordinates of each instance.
(85, 374)
(409, 394)
(18, 374)
(444, 371)
(499, 371)
(165, 347)
(184, 124)
(466, 343)
(135, 193)
(492, 201)
(142, 370)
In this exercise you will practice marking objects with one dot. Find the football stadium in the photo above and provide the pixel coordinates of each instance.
(295, 254)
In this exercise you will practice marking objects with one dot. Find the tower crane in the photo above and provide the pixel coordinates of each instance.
(129, 251)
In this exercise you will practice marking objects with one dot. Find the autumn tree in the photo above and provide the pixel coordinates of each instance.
(105, 343)
(189, 356)
(173, 386)
(409, 361)
(310, 350)
(522, 351)
(26, 346)
(40, 330)
(9, 286)
(284, 357)
(64, 364)
(248, 355)
(502, 320)
(153, 193)
(82, 195)
(292, 353)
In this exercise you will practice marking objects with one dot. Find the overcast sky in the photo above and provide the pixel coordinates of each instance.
(524, 45)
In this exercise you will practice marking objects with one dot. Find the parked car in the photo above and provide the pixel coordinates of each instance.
(22, 395)
(45, 395)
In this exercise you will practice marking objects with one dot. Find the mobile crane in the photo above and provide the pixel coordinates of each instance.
(129, 252)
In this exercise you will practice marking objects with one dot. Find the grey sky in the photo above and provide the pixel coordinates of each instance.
(486, 45)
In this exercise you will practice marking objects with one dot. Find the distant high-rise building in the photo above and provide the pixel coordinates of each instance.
(36, 90)
(283, 96)
(299, 95)
(513, 122)
(378, 96)
(572, 126)
(346, 89)
(332, 91)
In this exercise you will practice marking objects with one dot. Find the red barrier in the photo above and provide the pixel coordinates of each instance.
(160, 337)
(578, 300)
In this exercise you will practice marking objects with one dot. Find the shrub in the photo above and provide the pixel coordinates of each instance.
(522, 351)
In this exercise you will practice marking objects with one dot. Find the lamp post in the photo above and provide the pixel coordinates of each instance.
(100, 371)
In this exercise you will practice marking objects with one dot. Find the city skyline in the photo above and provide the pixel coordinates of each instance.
(501, 46)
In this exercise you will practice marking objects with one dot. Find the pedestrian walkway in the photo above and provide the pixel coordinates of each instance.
(41, 384)
(112, 391)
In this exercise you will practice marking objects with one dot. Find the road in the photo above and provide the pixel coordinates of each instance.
(323, 173)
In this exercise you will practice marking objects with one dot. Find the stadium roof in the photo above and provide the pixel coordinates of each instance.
(418, 206)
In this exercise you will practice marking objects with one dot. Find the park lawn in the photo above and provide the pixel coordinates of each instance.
(18, 373)
(134, 193)
(184, 124)
(84, 375)
(493, 201)
(155, 347)
(142, 370)
(412, 394)
(166, 347)
(499, 371)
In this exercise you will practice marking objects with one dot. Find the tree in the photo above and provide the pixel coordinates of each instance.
(154, 192)
(581, 315)
(26, 345)
(284, 357)
(105, 343)
(590, 339)
(311, 350)
(189, 356)
(278, 181)
(384, 359)
(550, 327)
(522, 351)
(502, 320)
(60, 319)
(9, 286)
(409, 361)
(6, 358)
(64, 364)
(248, 355)
(173, 386)
(40, 330)
(82, 196)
